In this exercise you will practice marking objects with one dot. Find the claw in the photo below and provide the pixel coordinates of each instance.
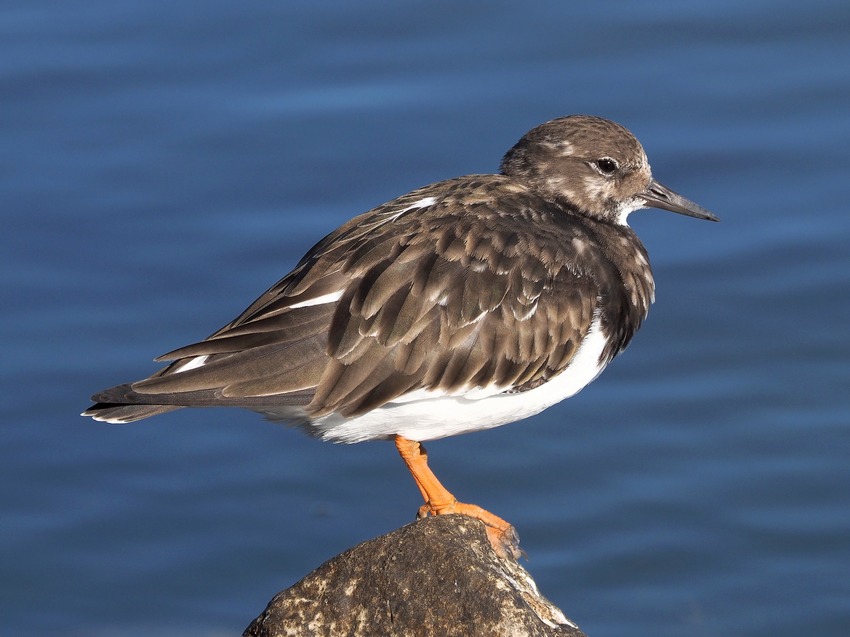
(439, 501)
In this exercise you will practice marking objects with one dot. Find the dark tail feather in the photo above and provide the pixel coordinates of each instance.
(121, 404)
(120, 414)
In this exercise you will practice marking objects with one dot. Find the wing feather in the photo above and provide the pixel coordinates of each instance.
(444, 290)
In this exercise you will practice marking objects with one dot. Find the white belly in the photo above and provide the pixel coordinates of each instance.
(427, 415)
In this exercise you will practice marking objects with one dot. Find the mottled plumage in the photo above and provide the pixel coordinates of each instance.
(463, 305)
(471, 288)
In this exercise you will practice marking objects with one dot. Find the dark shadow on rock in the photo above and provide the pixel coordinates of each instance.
(437, 576)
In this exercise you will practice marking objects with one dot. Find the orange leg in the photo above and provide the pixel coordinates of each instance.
(439, 501)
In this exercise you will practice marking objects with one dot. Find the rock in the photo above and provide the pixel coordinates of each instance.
(436, 576)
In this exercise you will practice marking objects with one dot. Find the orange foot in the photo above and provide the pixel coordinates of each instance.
(439, 501)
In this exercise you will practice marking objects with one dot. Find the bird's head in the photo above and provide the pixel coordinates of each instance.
(593, 166)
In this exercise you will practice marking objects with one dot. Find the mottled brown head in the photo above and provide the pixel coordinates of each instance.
(593, 166)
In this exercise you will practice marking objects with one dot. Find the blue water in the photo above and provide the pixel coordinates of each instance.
(162, 163)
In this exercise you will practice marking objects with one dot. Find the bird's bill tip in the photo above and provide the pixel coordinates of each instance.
(657, 195)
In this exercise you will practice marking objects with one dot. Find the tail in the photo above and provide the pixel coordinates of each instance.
(120, 405)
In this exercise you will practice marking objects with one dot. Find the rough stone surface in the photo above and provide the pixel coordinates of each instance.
(437, 576)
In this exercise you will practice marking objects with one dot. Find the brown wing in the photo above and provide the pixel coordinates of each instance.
(439, 289)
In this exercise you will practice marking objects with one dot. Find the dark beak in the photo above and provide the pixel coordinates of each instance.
(658, 195)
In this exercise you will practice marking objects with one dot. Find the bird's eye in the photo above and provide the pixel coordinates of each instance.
(606, 165)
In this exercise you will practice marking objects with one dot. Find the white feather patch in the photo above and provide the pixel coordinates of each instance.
(330, 297)
(191, 363)
(422, 203)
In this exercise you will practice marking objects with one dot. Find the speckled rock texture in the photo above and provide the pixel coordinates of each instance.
(438, 576)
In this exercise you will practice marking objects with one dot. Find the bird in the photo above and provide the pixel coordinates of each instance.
(463, 305)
